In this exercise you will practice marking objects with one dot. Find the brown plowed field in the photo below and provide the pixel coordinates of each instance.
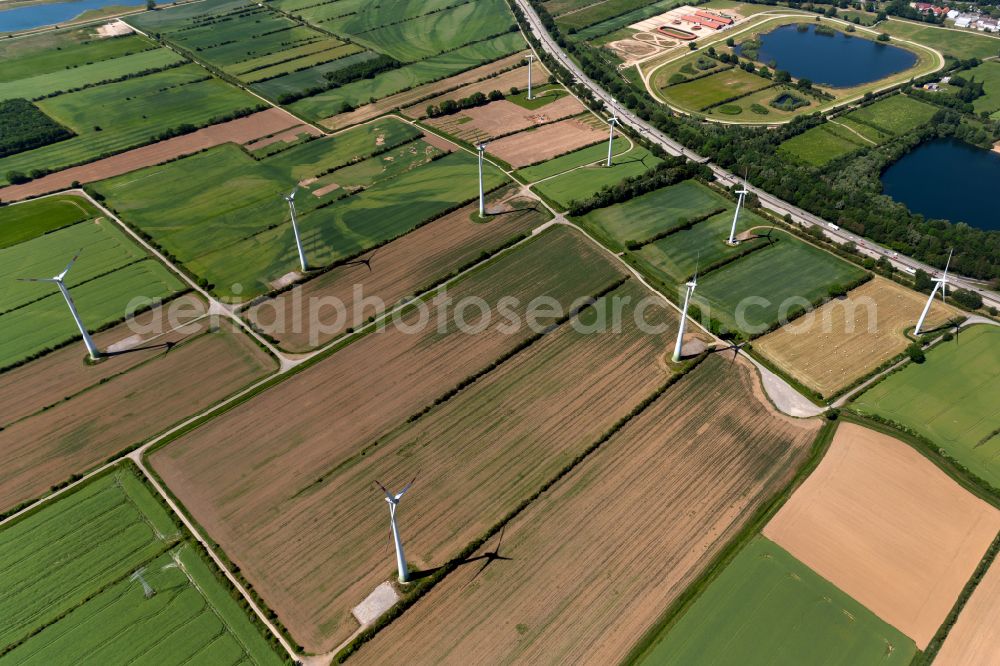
(398, 269)
(250, 471)
(889, 528)
(477, 457)
(596, 560)
(240, 130)
(412, 96)
(974, 640)
(832, 347)
(548, 141)
(42, 383)
(502, 118)
(77, 434)
(502, 82)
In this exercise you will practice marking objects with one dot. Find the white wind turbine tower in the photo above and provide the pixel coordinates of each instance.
(482, 200)
(611, 135)
(938, 282)
(742, 192)
(290, 198)
(59, 280)
(531, 59)
(393, 500)
(679, 345)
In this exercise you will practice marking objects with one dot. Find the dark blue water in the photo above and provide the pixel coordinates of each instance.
(36, 16)
(947, 179)
(835, 60)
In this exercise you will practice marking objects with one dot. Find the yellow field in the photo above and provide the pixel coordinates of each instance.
(847, 338)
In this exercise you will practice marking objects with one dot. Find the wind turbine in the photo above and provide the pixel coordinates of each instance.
(147, 589)
(59, 280)
(482, 200)
(393, 500)
(678, 346)
(531, 58)
(611, 135)
(742, 192)
(938, 282)
(290, 198)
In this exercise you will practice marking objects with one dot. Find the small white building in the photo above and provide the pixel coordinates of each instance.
(953, 14)
(963, 21)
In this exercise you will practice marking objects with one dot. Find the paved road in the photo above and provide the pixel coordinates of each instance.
(767, 200)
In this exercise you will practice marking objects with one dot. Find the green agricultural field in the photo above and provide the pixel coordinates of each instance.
(895, 115)
(578, 158)
(708, 91)
(115, 117)
(598, 12)
(366, 17)
(988, 73)
(674, 259)
(239, 202)
(822, 144)
(433, 33)
(69, 598)
(40, 85)
(65, 52)
(435, 68)
(610, 25)
(583, 183)
(955, 43)
(752, 293)
(652, 213)
(766, 607)
(22, 222)
(45, 323)
(951, 399)
(296, 82)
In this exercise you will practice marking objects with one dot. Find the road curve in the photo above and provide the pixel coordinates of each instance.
(769, 201)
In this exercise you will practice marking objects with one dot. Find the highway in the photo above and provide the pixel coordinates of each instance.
(769, 201)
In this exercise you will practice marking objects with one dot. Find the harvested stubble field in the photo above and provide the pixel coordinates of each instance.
(60, 423)
(415, 95)
(241, 130)
(546, 142)
(415, 261)
(586, 181)
(652, 213)
(950, 399)
(70, 599)
(433, 69)
(775, 611)
(845, 339)
(974, 639)
(245, 501)
(589, 573)
(771, 282)
(503, 117)
(889, 528)
(515, 78)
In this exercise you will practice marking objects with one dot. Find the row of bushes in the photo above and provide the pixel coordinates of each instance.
(450, 106)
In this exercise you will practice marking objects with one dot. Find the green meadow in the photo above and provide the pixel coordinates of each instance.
(587, 181)
(69, 597)
(766, 608)
(951, 399)
(23, 222)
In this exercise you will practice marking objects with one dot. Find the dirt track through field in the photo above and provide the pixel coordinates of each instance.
(240, 474)
(408, 97)
(77, 434)
(974, 640)
(885, 525)
(546, 142)
(398, 269)
(596, 560)
(240, 130)
(849, 337)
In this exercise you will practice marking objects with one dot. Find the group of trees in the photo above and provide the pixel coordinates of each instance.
(23, 126)
(450, 106)
(850, 196)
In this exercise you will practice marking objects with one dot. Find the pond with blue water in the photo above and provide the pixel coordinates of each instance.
(837, 60)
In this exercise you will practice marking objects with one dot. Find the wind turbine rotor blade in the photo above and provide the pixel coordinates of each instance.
(36, 280)
(388, 495)
(948, 263)
(405, 488)
(70, 264)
